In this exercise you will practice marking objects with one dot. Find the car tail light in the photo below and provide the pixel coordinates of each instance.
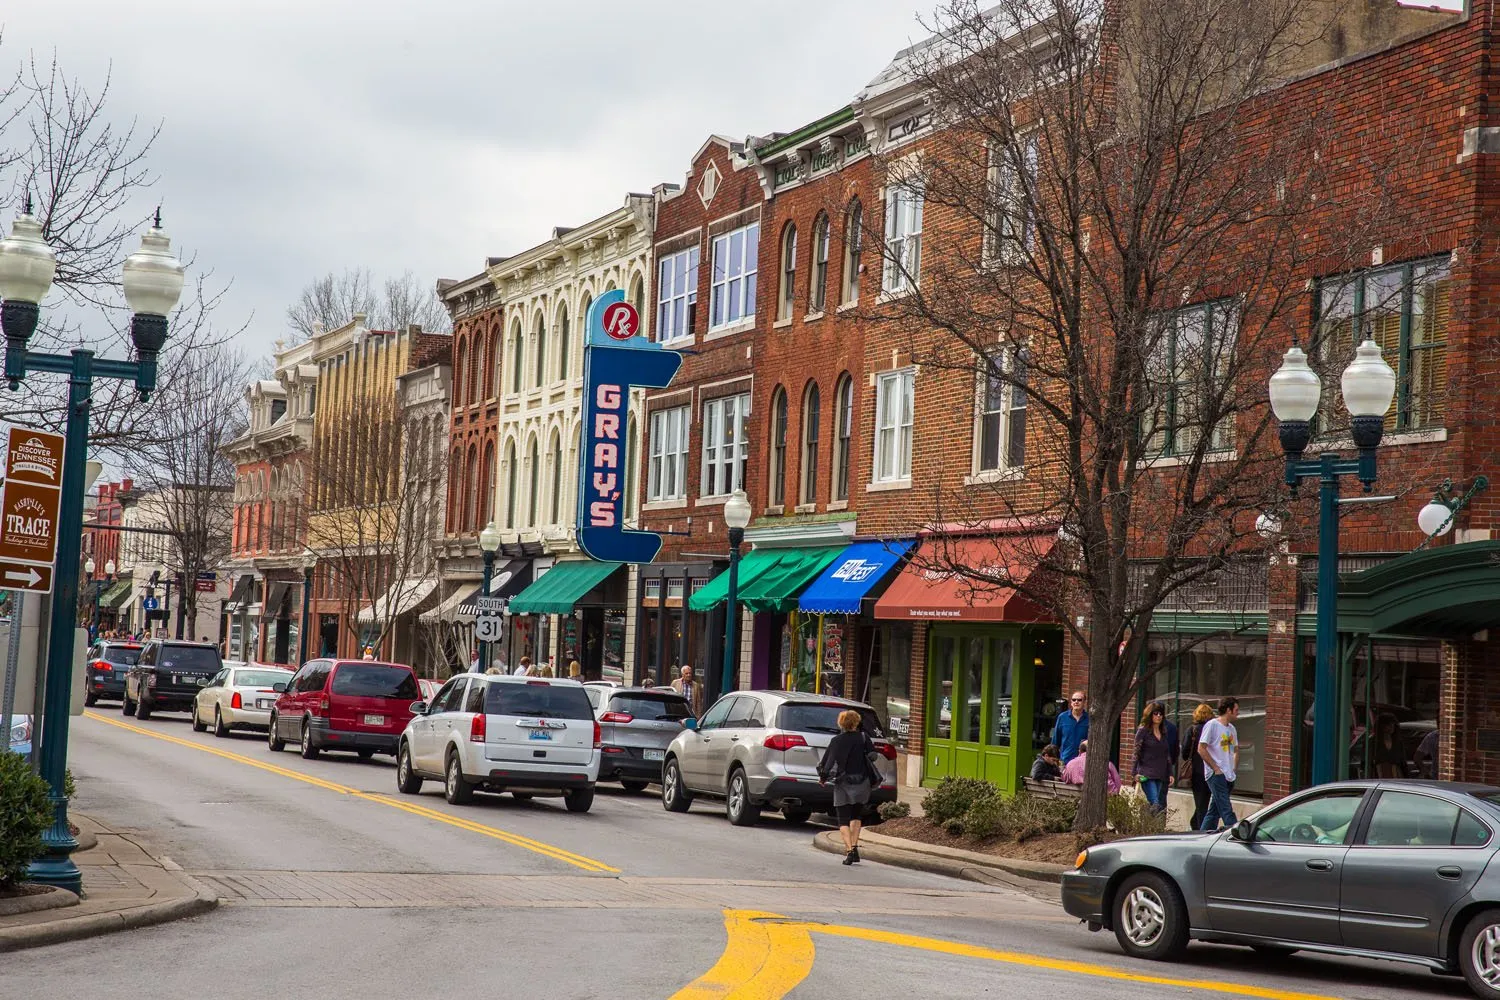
(236, 702)
(101, 665)
(477, 728)
(539, 684)
(323, 705)
(621, 717)
(784, 741)
(887, 750)
(598, 735)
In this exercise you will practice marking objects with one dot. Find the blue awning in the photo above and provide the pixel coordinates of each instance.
(852, 574)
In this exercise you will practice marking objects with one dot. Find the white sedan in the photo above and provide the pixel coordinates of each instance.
(239, 697)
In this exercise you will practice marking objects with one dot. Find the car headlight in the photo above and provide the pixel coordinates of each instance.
(1081, 860)
(20, 732)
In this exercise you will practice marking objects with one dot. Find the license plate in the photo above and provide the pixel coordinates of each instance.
(539, 734)
(262, 703)
(652, 755)
(374, 720)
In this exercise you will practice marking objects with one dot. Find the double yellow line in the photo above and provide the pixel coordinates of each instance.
(504, 836)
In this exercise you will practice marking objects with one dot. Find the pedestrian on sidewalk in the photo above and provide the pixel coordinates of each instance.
(1192, 764)
(1155, 755)
(848, 764)
(1072, 727)
(1219, 747)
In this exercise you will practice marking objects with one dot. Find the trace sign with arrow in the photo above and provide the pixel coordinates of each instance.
(28, 509)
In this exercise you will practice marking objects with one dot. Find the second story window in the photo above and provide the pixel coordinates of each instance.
(1010, 228)
(541, 351)
(843, 433)
(725, 444)
(778, 447)
(1001, 434)
(518, 357)
(894, 406)
(732, 291)
(1188, 372)
(666, 475)
(677, 295)
(903, 235)
(854, 229)
(788, 295)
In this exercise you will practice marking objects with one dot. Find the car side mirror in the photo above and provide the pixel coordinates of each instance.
(1244, 831)
(419, 708)
(690, 724)
(279, 687)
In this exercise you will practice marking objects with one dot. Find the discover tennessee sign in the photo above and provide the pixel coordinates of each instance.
(617, 357)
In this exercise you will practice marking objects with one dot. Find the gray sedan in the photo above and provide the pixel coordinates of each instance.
(1396, 870)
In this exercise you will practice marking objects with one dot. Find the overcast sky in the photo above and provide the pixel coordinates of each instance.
(302, 137)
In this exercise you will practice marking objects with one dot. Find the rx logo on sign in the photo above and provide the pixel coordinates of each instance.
(621, 321)
(856, 571)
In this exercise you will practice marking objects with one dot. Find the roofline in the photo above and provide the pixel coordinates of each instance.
(842, 116)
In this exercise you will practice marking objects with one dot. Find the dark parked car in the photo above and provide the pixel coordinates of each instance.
(168, 675)
(636, 727)
(108, 662)
(1398, 870)
(357, 705)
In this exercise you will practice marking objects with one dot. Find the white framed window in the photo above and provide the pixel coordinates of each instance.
(817, 298)
(677, 295)
(894, 404)
(903, 235)
(854, 228)
(1000, 434)
(788, 293)
(726, 445)
(1010, 225)
(844, 429)
(666, 473)
(1188, 373)
(732, 291)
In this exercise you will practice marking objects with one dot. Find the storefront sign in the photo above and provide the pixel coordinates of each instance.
(30, 502)
(616, 359)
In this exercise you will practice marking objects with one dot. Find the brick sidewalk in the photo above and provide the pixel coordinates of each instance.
(123, 887)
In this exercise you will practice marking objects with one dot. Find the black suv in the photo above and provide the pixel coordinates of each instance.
(168, 675)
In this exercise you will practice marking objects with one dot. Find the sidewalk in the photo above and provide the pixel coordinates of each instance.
(123, 887)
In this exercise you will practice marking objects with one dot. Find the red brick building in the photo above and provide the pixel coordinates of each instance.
(102, 545)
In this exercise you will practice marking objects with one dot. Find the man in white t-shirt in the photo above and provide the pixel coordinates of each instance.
(1219, 748)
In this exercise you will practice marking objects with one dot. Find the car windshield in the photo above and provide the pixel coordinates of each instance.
(260, 678)
(653, 707)
(823, 717)
(128, 655)
(375, 680)
(538, 700)
(189, 658)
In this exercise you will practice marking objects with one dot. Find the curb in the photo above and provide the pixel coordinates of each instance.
(1014, 874)
(95, 924)
(53, 899)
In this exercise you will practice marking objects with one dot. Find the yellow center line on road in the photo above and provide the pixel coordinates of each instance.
(767, 956)
(514, 839)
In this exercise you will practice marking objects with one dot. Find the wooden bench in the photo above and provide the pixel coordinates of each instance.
(1051, 789)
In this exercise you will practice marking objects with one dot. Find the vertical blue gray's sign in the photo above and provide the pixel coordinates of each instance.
(616, 358)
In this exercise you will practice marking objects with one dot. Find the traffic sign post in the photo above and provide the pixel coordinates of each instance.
(489, 621)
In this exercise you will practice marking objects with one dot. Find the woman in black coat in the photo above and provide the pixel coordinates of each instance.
(1193, 764)
(847, 764)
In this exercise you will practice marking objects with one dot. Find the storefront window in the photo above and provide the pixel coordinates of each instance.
(831, 682)
(890, 692)
(614, 646)
(1001, 673)
(1183, 672)
(941, 726)
(1047, 680)
(973, 690)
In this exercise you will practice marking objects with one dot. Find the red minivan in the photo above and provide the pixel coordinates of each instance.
(357, 705)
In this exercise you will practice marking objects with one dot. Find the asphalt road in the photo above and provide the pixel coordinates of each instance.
(337, 886)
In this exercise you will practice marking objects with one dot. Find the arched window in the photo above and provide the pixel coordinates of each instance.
(474, 374)
(788, 271)
(511, 475)
(471, 487)
(843, 429)
(487, 485)
(811, 418)
(541, 351)
(518, 356)
(555, 460)
(492, 363)
(818, 294)
(535, 506)
(564, 345)
(638, 295)
(778, 447)
(461, 371)
(854, 228)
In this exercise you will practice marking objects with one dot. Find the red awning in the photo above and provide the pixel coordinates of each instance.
(926, 591)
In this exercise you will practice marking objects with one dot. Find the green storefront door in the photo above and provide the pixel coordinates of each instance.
(976, 695)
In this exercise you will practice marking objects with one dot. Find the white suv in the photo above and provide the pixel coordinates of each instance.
(525, 735)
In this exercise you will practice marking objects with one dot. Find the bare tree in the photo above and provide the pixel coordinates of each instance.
(1115, 237)
(335, 299)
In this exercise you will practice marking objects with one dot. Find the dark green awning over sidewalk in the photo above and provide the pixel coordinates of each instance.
(557, 590)
(770, 579)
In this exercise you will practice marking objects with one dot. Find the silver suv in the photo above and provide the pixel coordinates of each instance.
(636, 726)
(760, 749)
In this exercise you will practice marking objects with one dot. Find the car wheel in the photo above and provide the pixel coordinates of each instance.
(309, 752)
(737, 806)
(198, 725)
(220, 730)
(127, 707)
(275, 742)
(408, 781)
(90, 699)
(1479, 953)
(796, 817)
(674, 794)
(633, 786)
(578, 800)
(143, 709)
(1150, 918)
(456, 789)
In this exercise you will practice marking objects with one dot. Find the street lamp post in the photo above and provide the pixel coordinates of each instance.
(152, 280)
(1369, 385)
(736, 518)
(88, 571)
(309, 560)
(489, 544)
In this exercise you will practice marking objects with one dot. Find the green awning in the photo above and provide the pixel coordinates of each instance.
(770, 579)
(115, 595)
(557, 590)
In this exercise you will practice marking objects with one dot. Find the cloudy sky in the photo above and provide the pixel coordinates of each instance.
(302, 137)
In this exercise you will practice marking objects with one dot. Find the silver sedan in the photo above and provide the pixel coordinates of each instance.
(239, 698)
(1398, 870)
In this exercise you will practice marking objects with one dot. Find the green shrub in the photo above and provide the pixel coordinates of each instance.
(69, 789)
(25, 813)
(894, 810)
(1132, 816)
(1019, 817)
(954, 827)
(951, 799)
(986, 817)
